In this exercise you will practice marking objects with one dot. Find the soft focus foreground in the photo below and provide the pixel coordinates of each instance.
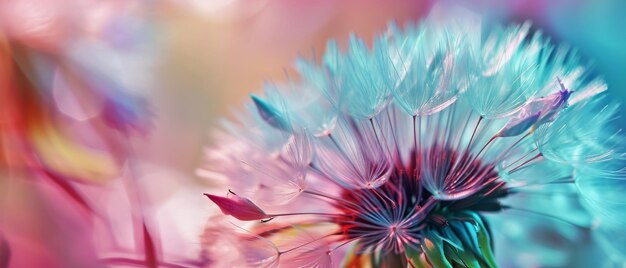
(105, 105)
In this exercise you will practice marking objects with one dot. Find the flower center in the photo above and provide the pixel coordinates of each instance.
(397, 213)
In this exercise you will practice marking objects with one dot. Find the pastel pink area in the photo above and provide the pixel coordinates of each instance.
(42, 227)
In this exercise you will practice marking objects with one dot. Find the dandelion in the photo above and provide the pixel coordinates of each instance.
(434, 147)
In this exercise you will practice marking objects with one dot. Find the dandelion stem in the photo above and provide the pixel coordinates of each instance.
(485, 146)
(519, 159)
(341, 245)
(306, 213)
(375, 133)
(469, 144)
(315, 193)
(508, 150)
(308, 243)
(522, 165)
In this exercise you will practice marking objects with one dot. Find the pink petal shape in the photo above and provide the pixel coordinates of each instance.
(518, 125)
(553, 104)
(238, 207)
(535, 113)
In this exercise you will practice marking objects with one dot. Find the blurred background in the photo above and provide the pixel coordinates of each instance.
(105, 106)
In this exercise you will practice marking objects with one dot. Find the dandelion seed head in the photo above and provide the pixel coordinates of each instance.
(412, 151)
